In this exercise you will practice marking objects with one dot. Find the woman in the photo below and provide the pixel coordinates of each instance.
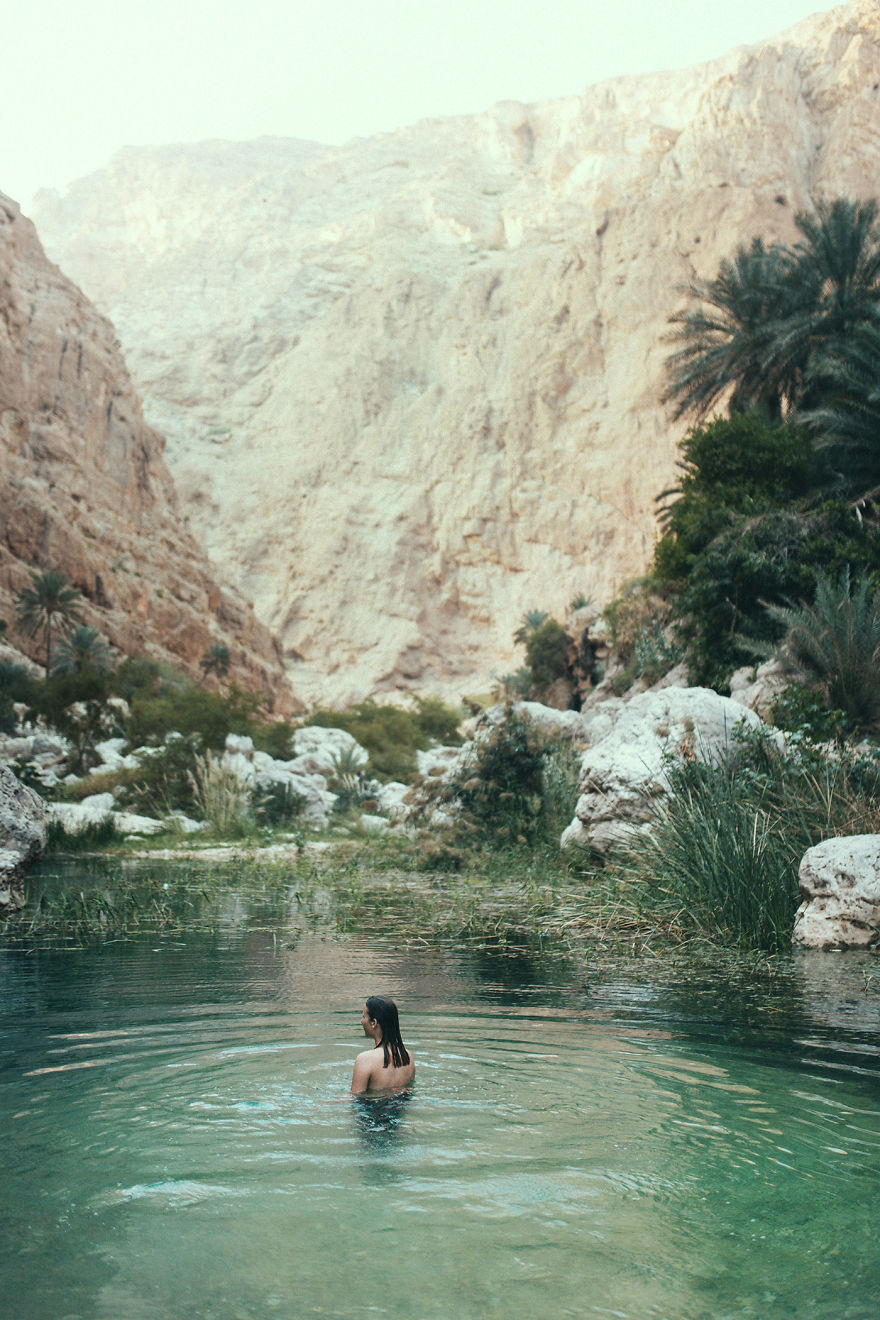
(388, 1065)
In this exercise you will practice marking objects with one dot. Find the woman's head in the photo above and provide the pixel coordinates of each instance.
(383, 1012)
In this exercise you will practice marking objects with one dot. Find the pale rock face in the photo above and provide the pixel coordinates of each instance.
(840, 883)
(626, 768)
(85, 489)
(22, 835)
(411, 386)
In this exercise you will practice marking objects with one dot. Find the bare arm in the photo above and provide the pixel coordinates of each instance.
(363, 1071)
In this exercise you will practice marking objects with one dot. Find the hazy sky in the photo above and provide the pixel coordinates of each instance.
(84, 77)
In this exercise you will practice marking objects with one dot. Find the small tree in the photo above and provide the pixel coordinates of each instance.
(84, 651)
(49, 603)
(547, 653)
(215, 660)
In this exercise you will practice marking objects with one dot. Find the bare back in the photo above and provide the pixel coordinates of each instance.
(370, 1073)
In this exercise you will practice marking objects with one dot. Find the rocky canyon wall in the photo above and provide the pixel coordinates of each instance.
(85, 489)
(411, 385)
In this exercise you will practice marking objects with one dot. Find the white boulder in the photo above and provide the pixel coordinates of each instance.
(112, 757)
(22, 834)
(373, 824)
(553, 723)
(318, 751)
(74, 817)
(240, 744)
(437, 761)
(626, 768)
(840, 883)
(391, 799)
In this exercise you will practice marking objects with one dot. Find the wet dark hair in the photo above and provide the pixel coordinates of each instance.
(384, 1011)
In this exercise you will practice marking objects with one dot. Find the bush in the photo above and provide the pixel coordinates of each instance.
(738, 465)
(797, 709)
(515, 785)
(759, 561)
(275, 738)
(16, 685)
(278, 804)
(392, 735)
(190, 710)
(547, 654)
(834, 645)
(724, 850)
(163, 783)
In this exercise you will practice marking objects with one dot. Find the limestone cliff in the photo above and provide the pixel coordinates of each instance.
(85, 488)
(411, 385)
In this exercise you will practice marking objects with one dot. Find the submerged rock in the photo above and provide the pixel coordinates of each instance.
(840, 883)
(22, 835)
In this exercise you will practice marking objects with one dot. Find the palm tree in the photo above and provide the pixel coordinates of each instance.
(834, 645)
(49, 602)
(730, 342)
(215, 660)
(846, 425)
(84, 651)
(531, 622)
(772, 315)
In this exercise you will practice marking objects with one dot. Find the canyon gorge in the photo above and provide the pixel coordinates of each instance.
(85, 489)
(411, 386)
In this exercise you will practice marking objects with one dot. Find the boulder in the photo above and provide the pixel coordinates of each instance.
(110, 750)
(551, 722)
(626, 767)
(373, 824)
(436, 761)
(22, 835)
(839, 880)
(391, 799)
(318, 750)
(758, 688)
(240, 743)
(317, 799)
(74, 817)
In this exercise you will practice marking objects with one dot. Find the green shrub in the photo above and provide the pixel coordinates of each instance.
(834, 644)
(737, 465)
(758, 561)
(190, 710)
(278, 804)
(547, 654)
(515, 785)
(16, 685)
(390, 734)
(438, 721)
(163, 783)
(724, 849)
(275, 738)
(798, 709)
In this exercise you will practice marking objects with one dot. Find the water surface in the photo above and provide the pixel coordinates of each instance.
(178, 1142)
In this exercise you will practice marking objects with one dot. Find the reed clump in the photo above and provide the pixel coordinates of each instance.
(221, 798)
(724, 847)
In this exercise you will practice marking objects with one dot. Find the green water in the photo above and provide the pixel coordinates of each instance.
(177, 1141)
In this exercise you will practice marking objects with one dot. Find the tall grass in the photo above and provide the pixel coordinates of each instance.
(221, 798)
(724, 849)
